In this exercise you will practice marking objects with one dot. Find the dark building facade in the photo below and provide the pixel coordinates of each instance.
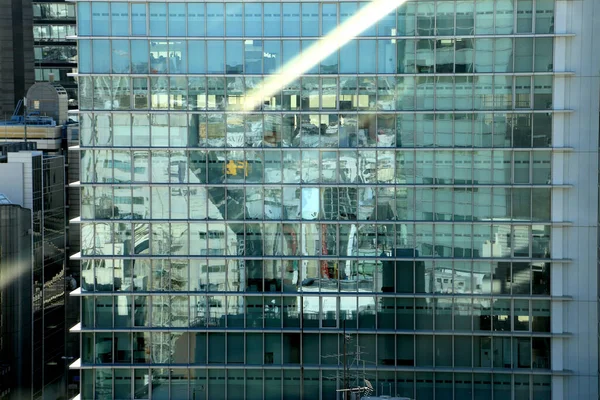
(37, 182)
(15, 292)
(16, 47)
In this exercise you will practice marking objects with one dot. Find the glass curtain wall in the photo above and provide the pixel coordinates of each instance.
(400, 190)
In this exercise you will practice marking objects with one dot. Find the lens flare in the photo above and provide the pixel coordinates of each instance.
(365, 18)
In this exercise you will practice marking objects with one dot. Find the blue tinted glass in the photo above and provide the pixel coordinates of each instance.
(348, 58)
(329, 18)
(406, 19)
(306, 44)
(217, 58)
(83, 19)
(139, 56)
(176, 19)
(253, 19)
(272, 56)
(197, 56)
(272, 19)
(366, 56)
(330, 64)
(119, 14)
(291, 49)
(214, 19)
(120, 56)
(138, 19)
(386, 57)
(310, 19)
(387, 25)
(253, 52)
(291, 19)
(100, 52)
(347, 10)
(370, 31)
(158, 19)
(177, 58)
(85, 56)
(196, 19)
(234, 55)
(233, 22)
(159, 53)
(100, 26)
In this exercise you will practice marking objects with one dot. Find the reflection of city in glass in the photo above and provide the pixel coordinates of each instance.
(399, 190)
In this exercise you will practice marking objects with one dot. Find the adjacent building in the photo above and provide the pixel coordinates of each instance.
(16, 263)
(16, 47)
(283, 200)
(55, 54)
(33, 184)
(45, 126)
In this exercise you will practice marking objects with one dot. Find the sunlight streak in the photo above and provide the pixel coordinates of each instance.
(350, 29)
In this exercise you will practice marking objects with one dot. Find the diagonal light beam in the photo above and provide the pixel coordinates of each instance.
(327, 45)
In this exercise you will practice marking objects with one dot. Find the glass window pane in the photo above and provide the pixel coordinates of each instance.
(119, 19)
(176, 19)
(214, 19)
(387, 25)
(484, 18)
(329, 65)
(216, 62)
(233, 22)
(234, 56)
(138, 19)
(271, 56)
(310, 19)
(544, 48)
(291, 19)
(159, 55)
(386, 56)
(195, 19)
(524, 16)
(177, 58)
(139, 56)
(253, 19)
(100, 50)
(328, 18)
(272, 19)
(406, 19)
(100, 25)
(158, 19)
(197, 58)
(406, 56)
(371, 30)
(306, 45)
(253, 54)
(366, 60)
(544, 16)
(348, 58)
(120, 56)
(83, 16)
(85, 56)
(504, 17)
(524, 54)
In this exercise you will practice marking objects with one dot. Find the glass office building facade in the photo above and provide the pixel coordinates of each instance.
(54, 53)
(401, 190)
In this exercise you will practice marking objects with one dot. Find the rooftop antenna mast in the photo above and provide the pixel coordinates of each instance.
(363, 386)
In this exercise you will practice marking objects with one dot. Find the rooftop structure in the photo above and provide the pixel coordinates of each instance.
(45, 120)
